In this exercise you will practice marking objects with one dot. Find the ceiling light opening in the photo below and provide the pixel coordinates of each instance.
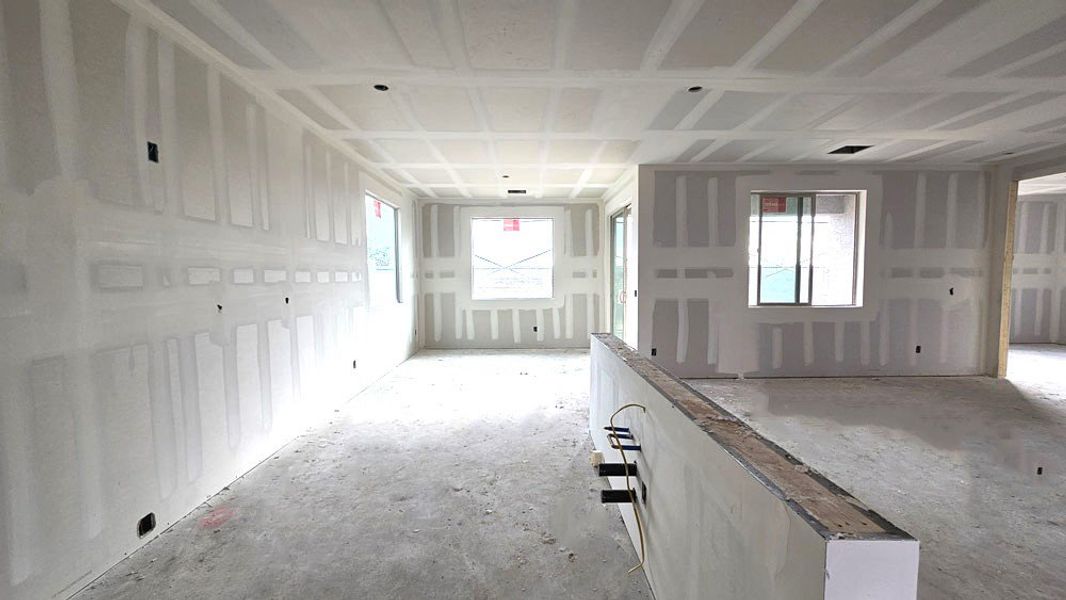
(516, 191)
(850, 149)
(696, 88)
(505, 176)
(381, 87)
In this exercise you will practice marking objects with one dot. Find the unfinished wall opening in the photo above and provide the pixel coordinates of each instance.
(382, 241)
(803, 249)
(145, 525)
(1037, 270)
(511, 259)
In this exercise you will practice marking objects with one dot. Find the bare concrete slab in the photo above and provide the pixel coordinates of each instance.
(974, 468)
(460, 475)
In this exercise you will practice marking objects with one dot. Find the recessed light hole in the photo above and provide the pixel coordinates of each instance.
(696, 88)
(381, 87)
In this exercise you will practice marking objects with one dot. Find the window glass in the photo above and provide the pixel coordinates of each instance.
(511, 258)
(802, 249)
(381, 253)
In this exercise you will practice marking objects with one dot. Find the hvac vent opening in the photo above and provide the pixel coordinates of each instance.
(850, 149)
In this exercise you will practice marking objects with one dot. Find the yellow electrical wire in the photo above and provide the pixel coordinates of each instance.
(632, 493)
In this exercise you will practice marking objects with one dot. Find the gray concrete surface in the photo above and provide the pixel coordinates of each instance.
(954, 461)
(460, 475)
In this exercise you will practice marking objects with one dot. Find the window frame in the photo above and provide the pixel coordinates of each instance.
(857, 253)
(552, 243)
(368, 197)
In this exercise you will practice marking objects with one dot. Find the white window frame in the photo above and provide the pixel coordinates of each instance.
(519, 219)
(465, 214)
(858, 258)
(367, 198)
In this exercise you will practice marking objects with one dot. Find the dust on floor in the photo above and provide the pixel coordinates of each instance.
(973, 467)
(461, 475)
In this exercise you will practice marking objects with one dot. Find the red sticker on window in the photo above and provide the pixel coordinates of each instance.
(377, 208)
(510, 224)
(774, 204)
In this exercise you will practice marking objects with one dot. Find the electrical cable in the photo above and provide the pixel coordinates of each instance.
(632, 492)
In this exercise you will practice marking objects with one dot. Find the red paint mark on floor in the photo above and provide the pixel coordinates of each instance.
(217, 517)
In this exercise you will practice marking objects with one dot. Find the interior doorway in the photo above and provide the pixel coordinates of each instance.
(1036, 299)
(621, 222)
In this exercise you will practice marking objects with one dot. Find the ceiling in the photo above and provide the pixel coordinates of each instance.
(562, 95)
(1050, 184)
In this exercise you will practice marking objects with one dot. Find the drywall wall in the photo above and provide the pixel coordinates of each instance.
(452, 319)
(1038, 275)
(165, 325)
(728, 514)
(925, 275)
(1003, 203)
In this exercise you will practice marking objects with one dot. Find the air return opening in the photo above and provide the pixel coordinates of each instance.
(849, 149)
(146, 525)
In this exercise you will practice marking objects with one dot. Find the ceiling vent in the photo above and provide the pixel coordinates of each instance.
(850, 149)
(519, 192)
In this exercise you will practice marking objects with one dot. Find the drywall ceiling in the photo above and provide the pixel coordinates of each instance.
(562, 95)
(1050, 184)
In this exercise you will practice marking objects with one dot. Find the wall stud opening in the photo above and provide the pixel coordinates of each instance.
(146, 525)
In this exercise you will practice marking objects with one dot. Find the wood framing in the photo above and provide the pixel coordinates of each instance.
(1008, 271)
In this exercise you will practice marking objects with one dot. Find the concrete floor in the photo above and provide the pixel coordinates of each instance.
(975, 468)
(460, 475)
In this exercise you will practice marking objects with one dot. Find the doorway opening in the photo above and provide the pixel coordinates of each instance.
(621, 322)
(1035, 302)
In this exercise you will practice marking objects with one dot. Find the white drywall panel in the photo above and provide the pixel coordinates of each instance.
(452, 319)
(165, 325)
(1039, 270)
(716, 526)
(925, 276)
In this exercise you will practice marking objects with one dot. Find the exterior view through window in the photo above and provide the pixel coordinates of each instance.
(381, 253)
(511, 258)
(620, 223)
(803, 248)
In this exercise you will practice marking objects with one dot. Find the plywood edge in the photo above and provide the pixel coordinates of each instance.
(1003, 345)
(831, 511)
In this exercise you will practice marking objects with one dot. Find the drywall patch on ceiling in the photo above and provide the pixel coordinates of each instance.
(734, 108)
(614, 33)
(833, 28)
(722, 31)
(443, 108)
(308, 107)
(506, 34)
(515, 108)
(367, 107)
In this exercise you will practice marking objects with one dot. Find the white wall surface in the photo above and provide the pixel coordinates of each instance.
(452, 319)
(926, 280)
(165, 326)
(1038, 276)
(714, 528)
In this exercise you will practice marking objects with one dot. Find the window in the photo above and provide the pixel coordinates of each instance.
(511, 258)
(803, 248)
(381, 256)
